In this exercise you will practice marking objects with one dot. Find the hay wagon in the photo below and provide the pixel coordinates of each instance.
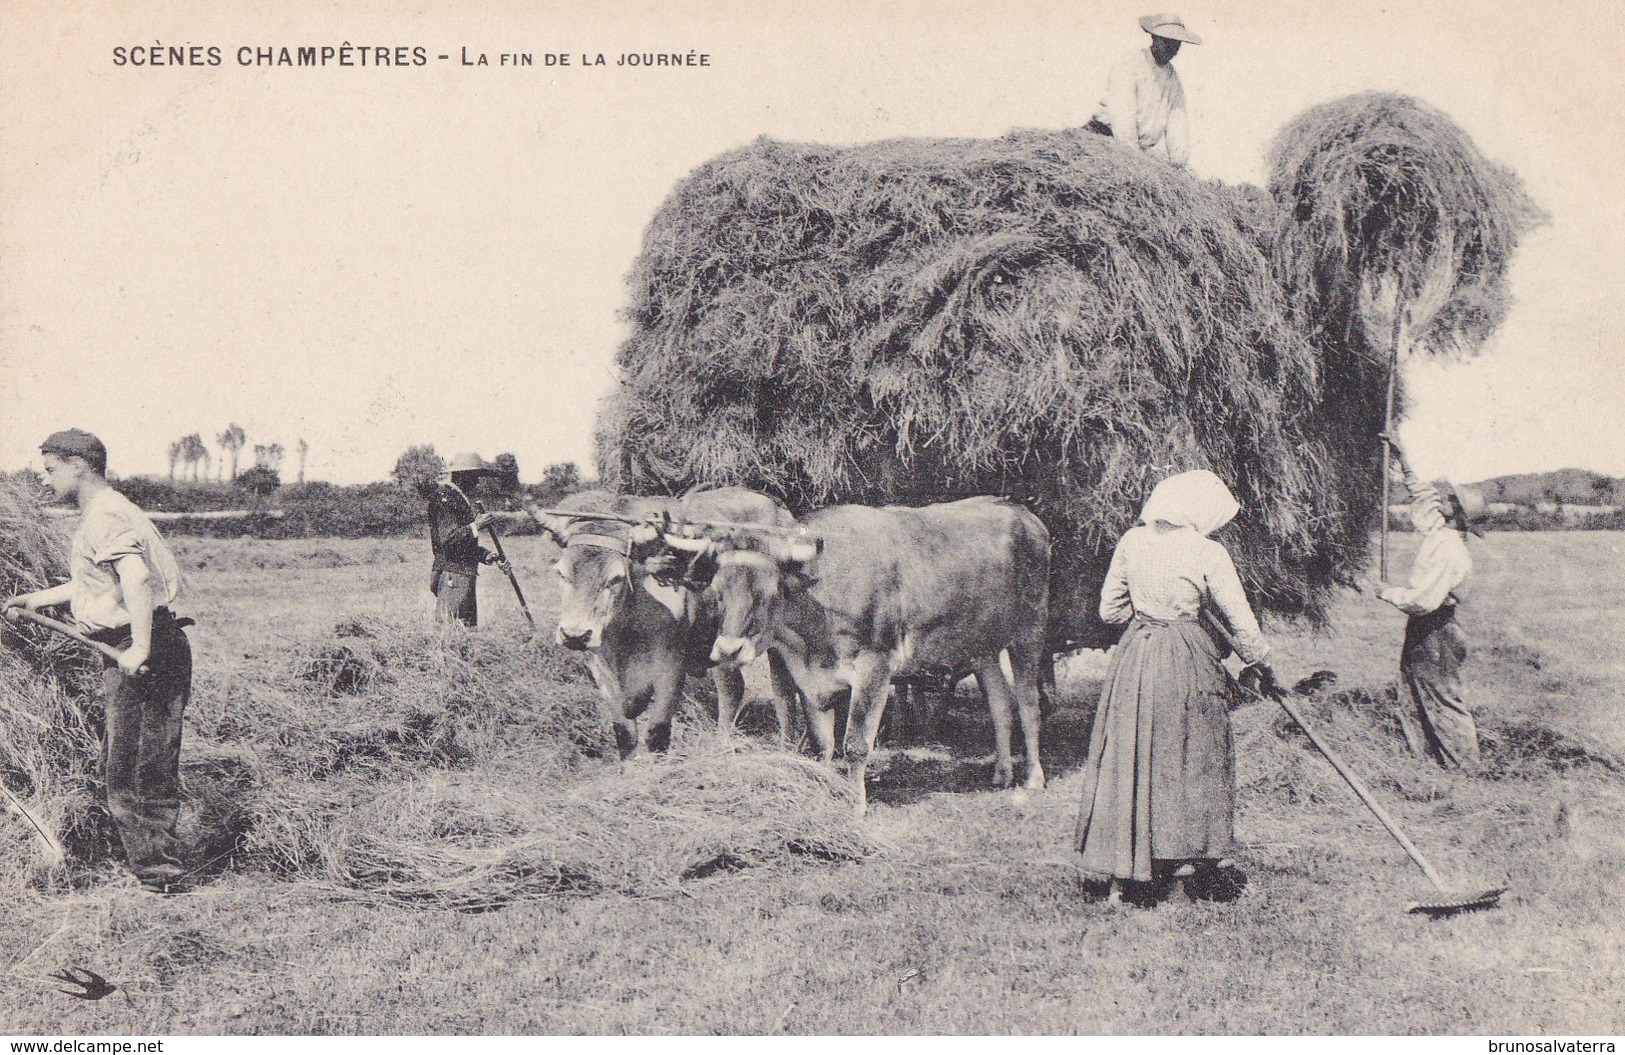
(1054, 318)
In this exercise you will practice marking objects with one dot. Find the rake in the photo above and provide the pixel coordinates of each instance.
(1445, 900)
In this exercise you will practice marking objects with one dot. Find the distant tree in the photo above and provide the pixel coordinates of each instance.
(261, 481)
(504, 487)
(558, 480)
(304, 449)
(232, 439)
(508, 466)
(417, 466)
(1602, 489)
(176, 450)
(268, 455)
(194, 452)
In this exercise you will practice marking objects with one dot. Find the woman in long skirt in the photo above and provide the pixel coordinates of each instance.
(1159, 786)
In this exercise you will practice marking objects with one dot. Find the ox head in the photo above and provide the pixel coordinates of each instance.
(596, 572)
(752, 573)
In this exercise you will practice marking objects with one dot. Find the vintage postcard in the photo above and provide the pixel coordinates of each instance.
(379, 658)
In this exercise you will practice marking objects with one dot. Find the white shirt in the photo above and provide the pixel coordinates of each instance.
(1442, 563)
(1167, 572)
(111, 527)
(1145, 106)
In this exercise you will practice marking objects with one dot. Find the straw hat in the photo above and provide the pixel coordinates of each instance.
(1167, 24)
(1464, 505)
(468, 462)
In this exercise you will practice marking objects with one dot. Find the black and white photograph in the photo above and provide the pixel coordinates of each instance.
(833, 518)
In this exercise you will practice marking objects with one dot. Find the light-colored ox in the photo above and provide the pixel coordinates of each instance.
(643, 636)
(892, 592)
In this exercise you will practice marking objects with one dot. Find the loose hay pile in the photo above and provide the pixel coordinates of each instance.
(1054, 318)
(482, 842)
(50, 723)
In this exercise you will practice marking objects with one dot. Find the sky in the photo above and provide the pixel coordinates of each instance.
(369, 258)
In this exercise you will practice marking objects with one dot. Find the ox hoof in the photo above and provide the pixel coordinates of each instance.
(1035, 781)
(1003, 777)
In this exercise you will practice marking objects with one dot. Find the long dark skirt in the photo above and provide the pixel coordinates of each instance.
(1160, 781)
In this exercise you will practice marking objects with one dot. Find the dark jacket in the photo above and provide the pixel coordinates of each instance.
(450, 535)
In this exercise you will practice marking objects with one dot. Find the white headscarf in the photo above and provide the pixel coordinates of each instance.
(1196, 499)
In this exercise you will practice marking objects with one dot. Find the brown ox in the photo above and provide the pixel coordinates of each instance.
(643, 636)
(892, 592)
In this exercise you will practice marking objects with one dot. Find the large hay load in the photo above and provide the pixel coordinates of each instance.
(50, 719)
(1052, 317)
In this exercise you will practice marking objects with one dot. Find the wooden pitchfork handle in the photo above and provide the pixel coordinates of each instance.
(15, 612)
(490, 529)
(1400, 335)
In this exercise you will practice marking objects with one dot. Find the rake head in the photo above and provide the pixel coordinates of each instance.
(1446, 903)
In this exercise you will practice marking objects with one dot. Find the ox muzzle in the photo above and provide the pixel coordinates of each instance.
(730, 652)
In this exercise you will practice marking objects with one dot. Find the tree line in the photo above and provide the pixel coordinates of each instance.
(192, 453)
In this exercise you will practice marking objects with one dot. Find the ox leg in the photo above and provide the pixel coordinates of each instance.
(869, 684)
(821, 720)
(898, 721)
(654, 731)
(730, 694)
(784, 695)
(613, 705)
(1046, 682)
(1000, 703)
(1030, 663)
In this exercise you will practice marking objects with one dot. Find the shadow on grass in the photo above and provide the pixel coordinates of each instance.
(952, 753)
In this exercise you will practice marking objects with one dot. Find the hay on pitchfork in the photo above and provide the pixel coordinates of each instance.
(1047, 316)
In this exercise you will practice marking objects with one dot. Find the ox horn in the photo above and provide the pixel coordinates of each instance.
(799, 550)
(688, 545)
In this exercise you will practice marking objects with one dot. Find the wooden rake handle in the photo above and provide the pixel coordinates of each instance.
(1346, 773)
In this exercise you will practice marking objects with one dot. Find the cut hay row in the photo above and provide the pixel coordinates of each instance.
(1051, 317)
(707, 807)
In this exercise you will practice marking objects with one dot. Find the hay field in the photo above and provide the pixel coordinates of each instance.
(968, 915)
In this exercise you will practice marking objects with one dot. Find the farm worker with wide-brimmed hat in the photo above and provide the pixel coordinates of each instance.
(1144, 104)
(1432, 714)
(454, 527)
(122, 581)
(1159, 787)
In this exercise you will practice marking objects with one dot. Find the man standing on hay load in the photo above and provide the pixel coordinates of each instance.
(1145, 102)
(123, 580)
(1159, 786)
(1436, 723)
(454, 527)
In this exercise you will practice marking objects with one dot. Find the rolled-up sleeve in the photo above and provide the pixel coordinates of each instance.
(1441, 566)
(121, 543)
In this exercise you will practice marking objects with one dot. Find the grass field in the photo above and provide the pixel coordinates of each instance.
(969, 917)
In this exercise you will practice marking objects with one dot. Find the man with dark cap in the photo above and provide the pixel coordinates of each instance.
(454, 527)
(1144, 105)
(123, 581)
(1435, 721)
